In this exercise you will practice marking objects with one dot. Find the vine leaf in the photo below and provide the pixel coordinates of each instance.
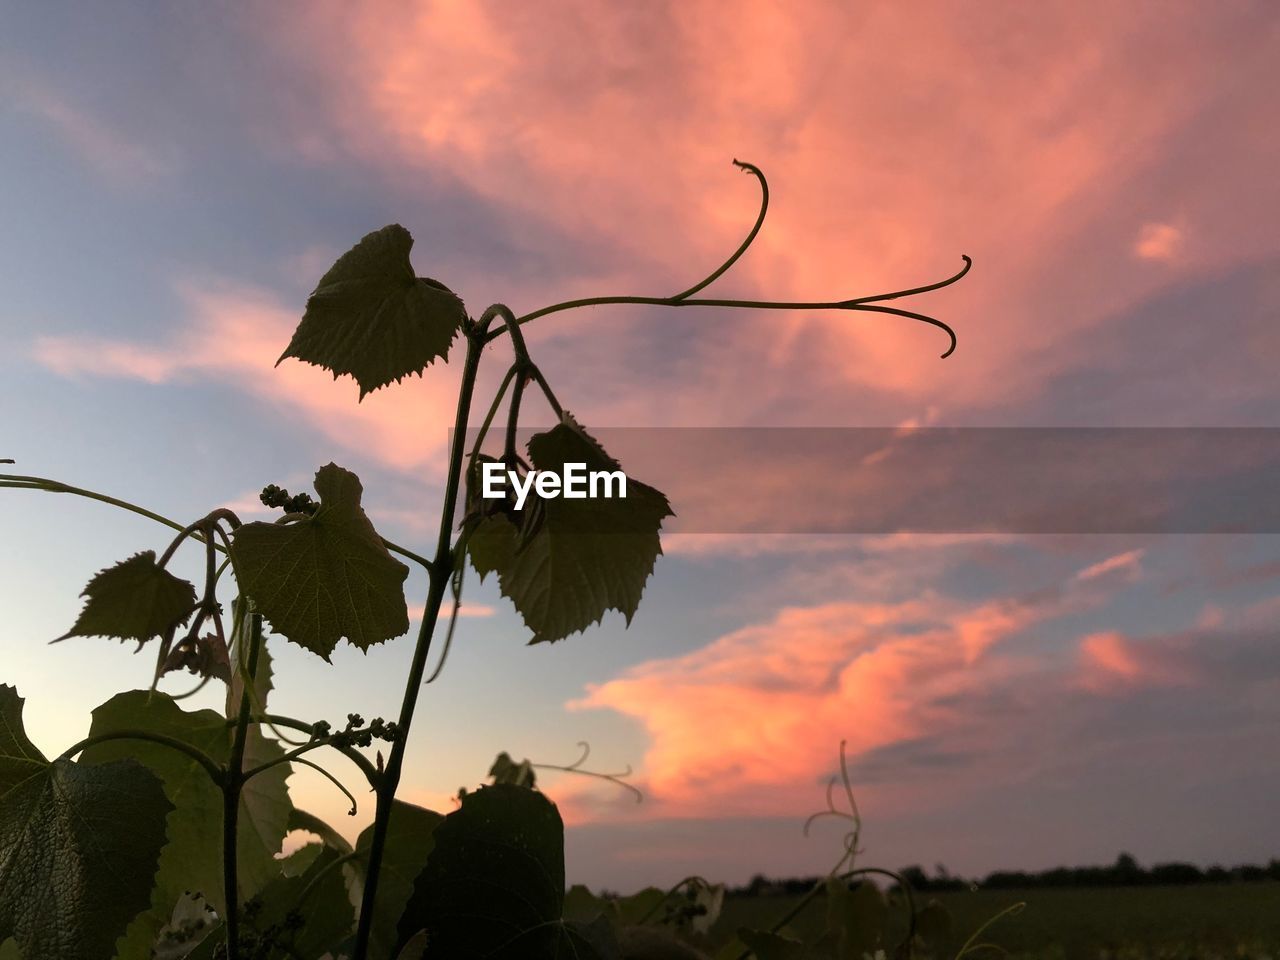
(506, 770)
(933, 923)
(192, 857)
(649, 942)
(409, 844)
(327, 909)
(327, 576)
(580, 557)
(19, 758)
(136, 599)
(302, 820)
(771, 946)
(855, 919)
(370, 317)
(79, 846)
(494, 883)
(578, 940)
(204, 656)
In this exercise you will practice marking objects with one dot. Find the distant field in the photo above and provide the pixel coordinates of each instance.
(1227, 921)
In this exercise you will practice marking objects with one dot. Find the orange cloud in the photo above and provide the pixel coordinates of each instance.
(748, 724)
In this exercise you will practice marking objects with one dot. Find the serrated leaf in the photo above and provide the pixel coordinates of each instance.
(855, 919)
(933, 923)
(491, 543)
(770, 946)
(640, 907)
(302, 820)
(583, 557)
(192, 857)
(134, 600)
(79, 846)
(415, 948)
(298, 862)
(654, 943)
(326, 910)
(326, 577)
(19, 758)
(581, 904)
(408, 848)
(494, 883)
(372, 318)
(204, 656)
(506, 770)
(579, 940)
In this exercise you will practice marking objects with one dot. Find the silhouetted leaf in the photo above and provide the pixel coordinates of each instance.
(654, 943)
(933, 923)
(770, 946)
(641, 907)
(855, 919)
(19, 758)
(302, 820)
(506, 770)
(409, 844)
(192, 857)
(204, 656)
(310, 926)
(370, 317)
(134, 600)
(572, 559)
(298, 862)
(494, 883)
(324, 577)
(581, 904)
(415, 947)
(579, 940)
(79, 846)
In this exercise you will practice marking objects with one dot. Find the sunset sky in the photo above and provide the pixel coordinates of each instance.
(174, 182)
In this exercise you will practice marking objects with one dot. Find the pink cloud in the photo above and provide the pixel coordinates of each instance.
(1158, 241)
(1111, 661)
(1127, 565)
(619, 124)
(112, 152)
(234, 335)
(748, 723)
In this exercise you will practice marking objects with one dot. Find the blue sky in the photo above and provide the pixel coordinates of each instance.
(173, 184)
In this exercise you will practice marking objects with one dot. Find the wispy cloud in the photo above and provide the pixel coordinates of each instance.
(232, 335)
(112, 151)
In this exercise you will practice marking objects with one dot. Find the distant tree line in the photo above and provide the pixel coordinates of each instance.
(1125, 872)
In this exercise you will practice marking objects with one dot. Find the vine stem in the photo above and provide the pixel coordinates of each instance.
(231, 786)
(440, 571)
(19, 481)
(199, 756)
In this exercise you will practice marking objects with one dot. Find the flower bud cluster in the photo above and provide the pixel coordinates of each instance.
(356, 733)
(274, 496)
